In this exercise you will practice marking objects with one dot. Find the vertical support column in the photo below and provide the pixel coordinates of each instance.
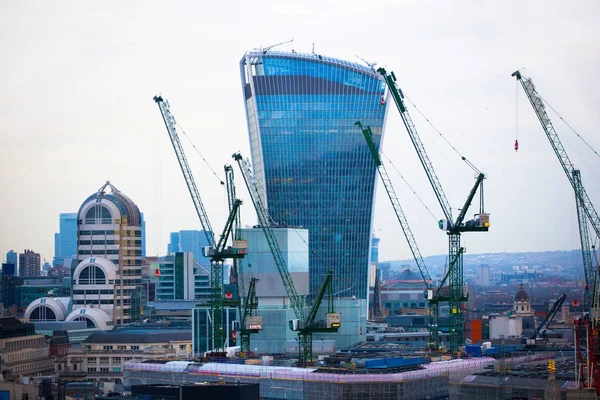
(457, 296)
(304, 348)
(216, 304)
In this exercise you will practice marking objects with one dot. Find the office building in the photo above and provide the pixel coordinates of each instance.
(65, 241)
(180, 277)
(110, 259)
(29, 263)
(12, 258)
(189, 242)
(311, 158)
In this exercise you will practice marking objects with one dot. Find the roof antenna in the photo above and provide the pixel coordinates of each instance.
(370, 64)
(313, 50)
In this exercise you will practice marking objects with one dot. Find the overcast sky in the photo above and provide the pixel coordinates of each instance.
(77, 81)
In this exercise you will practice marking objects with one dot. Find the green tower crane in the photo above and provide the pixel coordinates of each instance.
(454, 294)
(217, 252)
(410, 239)
(303, 324)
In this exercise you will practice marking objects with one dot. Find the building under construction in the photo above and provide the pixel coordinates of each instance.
(356, 377)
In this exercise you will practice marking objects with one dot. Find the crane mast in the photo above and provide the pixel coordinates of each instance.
(588, 326)
(410, 239)
(584, 236)
(217, 252)
(237, 275)
(264, 220)
(456, 295)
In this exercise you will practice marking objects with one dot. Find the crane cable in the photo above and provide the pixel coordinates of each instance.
(443, 137)
(577, 134)
(410, 187)
(570, 127)
(198, 151)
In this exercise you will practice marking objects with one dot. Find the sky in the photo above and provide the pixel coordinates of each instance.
(78, 78)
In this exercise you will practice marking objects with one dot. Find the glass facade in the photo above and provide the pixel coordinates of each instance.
(189, 242)
(311, 159)
(180, 277)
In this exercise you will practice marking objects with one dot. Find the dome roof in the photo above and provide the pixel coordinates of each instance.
(100, 318)
(125, 205)
(55, 304)
(521, 294)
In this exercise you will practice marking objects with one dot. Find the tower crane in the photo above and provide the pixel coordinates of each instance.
(249, 322)
(455, 294)
(305, 325)
(412, 243)
(218, 252)
(590, 324)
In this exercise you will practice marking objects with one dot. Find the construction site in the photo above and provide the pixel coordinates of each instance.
(321, 352)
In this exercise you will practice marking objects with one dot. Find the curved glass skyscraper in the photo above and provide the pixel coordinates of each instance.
(311, 159)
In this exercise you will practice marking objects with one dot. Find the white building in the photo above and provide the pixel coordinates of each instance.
(504, 326)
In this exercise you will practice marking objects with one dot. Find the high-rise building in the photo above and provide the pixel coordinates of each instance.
(29, 263)
(12, 258)
(189, 242)
(312, 160)
(483, 275)
(110, 259)
(65, 241)
(143, 235)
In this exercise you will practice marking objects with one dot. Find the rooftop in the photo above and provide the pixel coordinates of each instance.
(138, 336)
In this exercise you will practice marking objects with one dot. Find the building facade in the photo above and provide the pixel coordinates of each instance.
(311, 158)
(189, 242)
(110, 257)
(180, 277)
(102, 354)
(65, 241)
(29, 263)
(22, 351)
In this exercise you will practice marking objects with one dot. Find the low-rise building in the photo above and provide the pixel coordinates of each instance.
(22, 351)
(101, 356)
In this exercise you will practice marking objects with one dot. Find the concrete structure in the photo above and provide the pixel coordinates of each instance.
(311, 158)
(22, 351)
(505, 326)
(110, 258)
(483, 275)
(180, 277)
(29, 263)
(259, 263)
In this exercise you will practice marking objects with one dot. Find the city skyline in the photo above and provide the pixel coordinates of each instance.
(454, 61)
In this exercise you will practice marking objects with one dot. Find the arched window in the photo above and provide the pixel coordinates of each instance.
(98, 214)
(92, 275)
(88, 321)
(42, 313)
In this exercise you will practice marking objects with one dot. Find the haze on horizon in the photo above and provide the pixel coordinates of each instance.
(78, 80)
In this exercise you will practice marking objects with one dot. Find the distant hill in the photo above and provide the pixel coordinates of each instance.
(500, 260)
